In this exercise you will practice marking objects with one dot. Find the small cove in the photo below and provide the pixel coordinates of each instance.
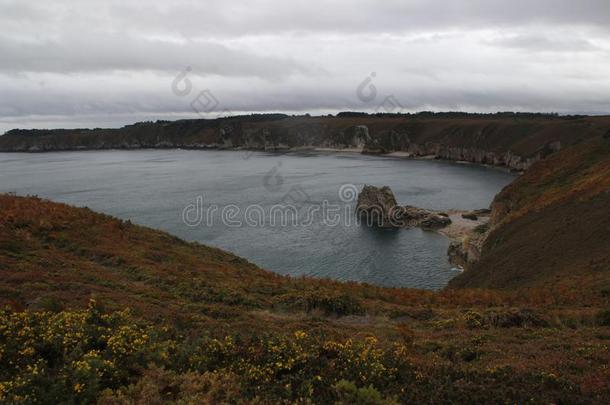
(153, 187)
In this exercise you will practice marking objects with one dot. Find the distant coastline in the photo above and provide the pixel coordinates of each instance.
(513, 141)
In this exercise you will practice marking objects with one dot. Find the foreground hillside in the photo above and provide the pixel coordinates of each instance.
(205, 326)
(551, 225)
(512, 140)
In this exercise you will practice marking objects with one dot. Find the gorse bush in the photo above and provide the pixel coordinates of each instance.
(89, 357)
(350, 394)
(158, 386)
(72, 355)
(82, 356)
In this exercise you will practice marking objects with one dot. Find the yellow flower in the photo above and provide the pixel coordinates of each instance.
(371, 340)
(78, 387)
(28, 351)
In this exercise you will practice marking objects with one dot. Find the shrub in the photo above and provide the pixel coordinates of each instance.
(349, 394)
(159, 386)
(50, 304)
(473, 320)
(481, 229)
(603, 317)
(504, 318)
(341, 305)
(330, 303)
(49, 357)
(87, 356)
(514, 318)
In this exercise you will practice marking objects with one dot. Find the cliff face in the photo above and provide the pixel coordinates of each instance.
(512, 141)
(551, 225)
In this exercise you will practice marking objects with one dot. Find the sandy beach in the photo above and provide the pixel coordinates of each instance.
(461, 227)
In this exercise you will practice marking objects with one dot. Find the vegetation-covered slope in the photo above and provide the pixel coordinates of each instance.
(512, 140)
(552, 225)
(206, 326)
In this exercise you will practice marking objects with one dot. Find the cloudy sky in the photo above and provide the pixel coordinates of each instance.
(67, 63)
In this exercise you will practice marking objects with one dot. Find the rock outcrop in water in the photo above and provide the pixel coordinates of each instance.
(377, 206)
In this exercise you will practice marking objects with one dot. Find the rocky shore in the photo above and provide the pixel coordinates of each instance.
(467, 233)
(467, 230)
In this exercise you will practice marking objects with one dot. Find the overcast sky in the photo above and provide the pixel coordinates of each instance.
(67, 63)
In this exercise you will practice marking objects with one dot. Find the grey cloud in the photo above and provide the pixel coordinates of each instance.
(218, 18)
(544, 43)
(150, 96)
(114, 52)
(67, 60)
(356, 16)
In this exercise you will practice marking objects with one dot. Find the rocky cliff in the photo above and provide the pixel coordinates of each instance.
(551, 225)
(515, 141)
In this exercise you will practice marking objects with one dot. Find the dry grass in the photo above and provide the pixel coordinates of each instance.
(55, 257)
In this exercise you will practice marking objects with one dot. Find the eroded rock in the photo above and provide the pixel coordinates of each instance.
(378, 207)
(435, 221)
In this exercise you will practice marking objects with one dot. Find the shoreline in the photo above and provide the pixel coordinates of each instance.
(465, 240)
(401, 155)
(461, 227)
(359, 151)
(457, 232)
